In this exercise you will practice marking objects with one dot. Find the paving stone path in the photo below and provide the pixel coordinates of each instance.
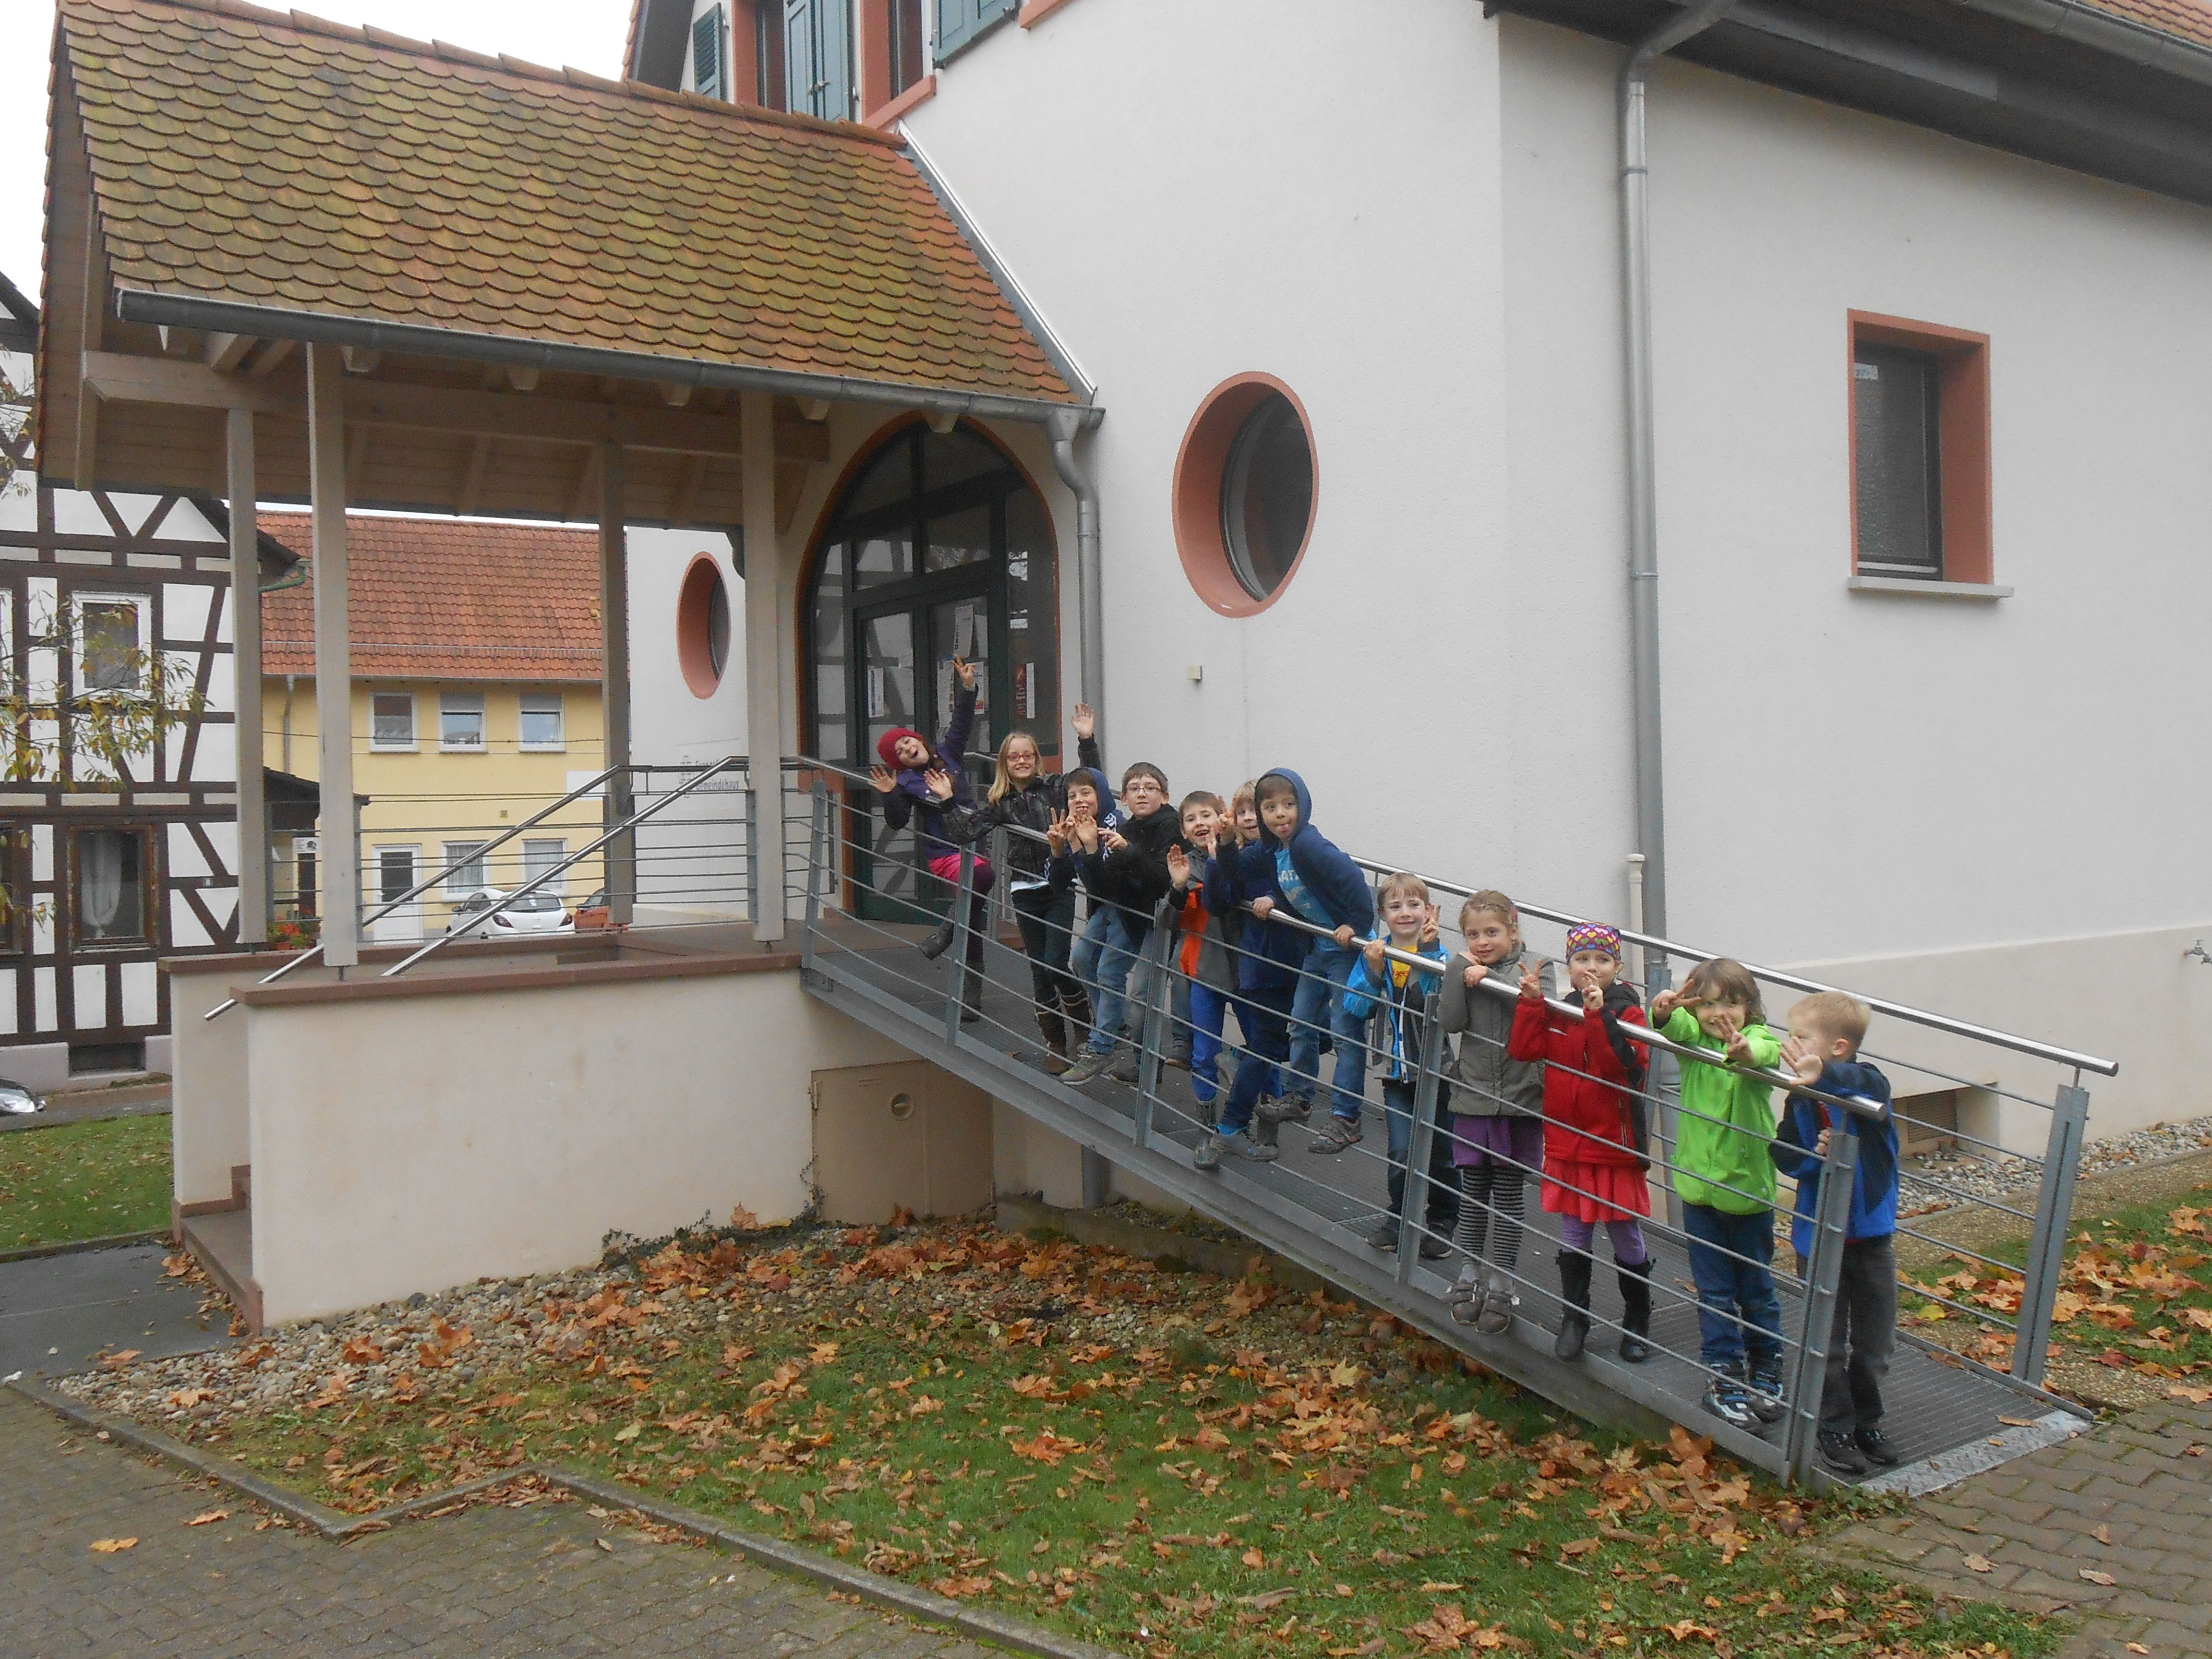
(491, 1581)
(2128, 1500)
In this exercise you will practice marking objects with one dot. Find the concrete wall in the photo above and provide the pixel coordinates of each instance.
(1409, 215)
(210, 1132)
(395, 1150)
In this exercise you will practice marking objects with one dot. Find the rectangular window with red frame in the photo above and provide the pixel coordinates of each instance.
(1921, 507)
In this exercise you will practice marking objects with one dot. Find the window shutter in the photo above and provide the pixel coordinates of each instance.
(817, 57)
(707, 67)
(1895, 415)
(961, 23)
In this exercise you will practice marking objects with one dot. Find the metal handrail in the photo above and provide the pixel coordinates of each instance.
(1799, 982)
(424, 886)
(531, 886)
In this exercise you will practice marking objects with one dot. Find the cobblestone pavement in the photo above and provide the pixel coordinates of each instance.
(2130, 1499)
(548, 1579)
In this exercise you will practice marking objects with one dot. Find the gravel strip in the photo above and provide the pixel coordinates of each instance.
(2008, 1181)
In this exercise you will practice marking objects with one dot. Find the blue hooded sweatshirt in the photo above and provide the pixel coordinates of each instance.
(1062, 872)
(1333, 883)
(1874, 1186)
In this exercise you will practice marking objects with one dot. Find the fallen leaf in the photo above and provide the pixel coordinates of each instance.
(1579, 1547)
(2090, 1575)
(604, 1545)
(629, 1433)
(1345, 1377)
(1440, 1588)
(2101, 1532)
(117, 1361)
(1266, 1599)
(2137, 1647)
(211, 1516)
(2017, 1422)
(110, 1546)
(1254, 1559)
(1980, 1564)
(2191, 1394)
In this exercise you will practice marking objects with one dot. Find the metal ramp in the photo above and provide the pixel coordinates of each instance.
(1946, 1414)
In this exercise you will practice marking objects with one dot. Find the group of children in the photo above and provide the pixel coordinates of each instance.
(1275, 922)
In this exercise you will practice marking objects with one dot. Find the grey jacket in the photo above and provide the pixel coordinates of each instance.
(1216, 962)
(1487, 1082)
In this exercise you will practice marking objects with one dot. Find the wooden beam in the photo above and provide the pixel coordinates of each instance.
(764, 677)
(521, 378)
(356, 458)
(587, 483)
(272, 358)
(941, 421)
(472, 477)
(339, 824)
(687, 490)
(614, 681)
(225, 352)
(814, 408)
(92, 318)
(675, 394)
(246, 680)
(112, 375)
(359, 360)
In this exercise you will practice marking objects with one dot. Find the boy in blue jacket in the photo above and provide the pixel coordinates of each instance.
(1389, 998)
(1314, 881)
(1826, 1030)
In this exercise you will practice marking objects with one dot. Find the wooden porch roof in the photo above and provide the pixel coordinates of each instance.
(521, 263)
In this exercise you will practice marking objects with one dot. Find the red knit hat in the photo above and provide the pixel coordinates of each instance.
(887, 744)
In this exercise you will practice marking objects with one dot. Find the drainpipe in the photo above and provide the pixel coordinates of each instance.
(1643, 464)
(1090, 627)
(290, 682)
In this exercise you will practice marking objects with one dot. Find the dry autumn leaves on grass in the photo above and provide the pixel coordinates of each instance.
(1160, 1462)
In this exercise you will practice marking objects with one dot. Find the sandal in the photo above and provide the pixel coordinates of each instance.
(1498, 1302)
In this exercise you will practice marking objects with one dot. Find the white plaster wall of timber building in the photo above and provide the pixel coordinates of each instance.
(594, 1120)
(669, 721)
(1944, 794)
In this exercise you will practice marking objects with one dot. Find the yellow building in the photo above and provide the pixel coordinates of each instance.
(476, 705)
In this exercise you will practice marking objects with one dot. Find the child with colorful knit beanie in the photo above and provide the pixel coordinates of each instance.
(1597, 1135)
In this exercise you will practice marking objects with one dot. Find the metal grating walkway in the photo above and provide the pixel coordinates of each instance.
(1945, 1417)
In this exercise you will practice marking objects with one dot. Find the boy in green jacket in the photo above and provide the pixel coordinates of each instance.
(1726, 1183)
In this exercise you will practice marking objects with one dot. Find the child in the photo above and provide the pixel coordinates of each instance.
(1826, 1030)
(1382, 989)
(914, 778)
(1125, 871)
(1596, 1140)
(1204, 958)
(1268, 957)
(1726, 1183)
(1318, 885)
(1025, 797)
(1498, 1112)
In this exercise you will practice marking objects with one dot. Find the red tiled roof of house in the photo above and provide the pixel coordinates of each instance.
(447, 600)
(2187, 20)
(254, 157)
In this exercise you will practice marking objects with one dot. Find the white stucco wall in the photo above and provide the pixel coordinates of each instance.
(1409, 214)
(638, 1106)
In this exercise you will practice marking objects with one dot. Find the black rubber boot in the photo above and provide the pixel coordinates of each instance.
(1636, 1310)
(1575, 1292)
(937, 942)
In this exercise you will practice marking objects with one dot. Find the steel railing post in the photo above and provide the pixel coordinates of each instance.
(1159, 997)
(2054, 1213)
(1419, 1146)
(962, 897)
(818, 855)
(752, 849)
(1809, 1372)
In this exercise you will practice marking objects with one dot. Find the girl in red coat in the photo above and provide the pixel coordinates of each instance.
(1596, 1140)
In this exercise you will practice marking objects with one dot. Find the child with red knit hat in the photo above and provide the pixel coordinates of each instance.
(1596, 1137)
(916, 783)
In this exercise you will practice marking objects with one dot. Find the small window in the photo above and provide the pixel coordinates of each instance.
(108, 645)
(391, 719)
(461, 719)
(702, 626)
(1267, 495)
(1921, 487)
(540, 857)
(395, 873)
(542, 727)
(909, 51)
(708, 71)
(464, 866)
(110, 886)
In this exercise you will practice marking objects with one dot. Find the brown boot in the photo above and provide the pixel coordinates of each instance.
(1078, 1005)
(1054, 1028)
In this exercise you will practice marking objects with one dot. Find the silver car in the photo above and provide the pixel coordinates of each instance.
(533, 913)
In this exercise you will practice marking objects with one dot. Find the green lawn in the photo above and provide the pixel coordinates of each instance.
(1243, 1472)
(83, 1181)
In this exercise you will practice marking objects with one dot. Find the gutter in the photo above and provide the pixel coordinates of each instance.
(1643, 459)
(1090, 623)
(2106, 31)
(324, 328)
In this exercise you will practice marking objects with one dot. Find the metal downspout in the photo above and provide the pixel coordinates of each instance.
(1090, 628)
(1643, 462)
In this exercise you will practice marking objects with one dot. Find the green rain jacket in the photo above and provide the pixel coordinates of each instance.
(1725, 1125)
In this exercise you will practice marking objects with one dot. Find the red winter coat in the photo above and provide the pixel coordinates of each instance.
(1585, 1120)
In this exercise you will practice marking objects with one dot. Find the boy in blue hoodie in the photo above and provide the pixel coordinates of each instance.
(1826, 1030)
(1388, 997)
(1314, 881)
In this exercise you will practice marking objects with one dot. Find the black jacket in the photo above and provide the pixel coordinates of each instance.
(1135, 878)
(1028, 807)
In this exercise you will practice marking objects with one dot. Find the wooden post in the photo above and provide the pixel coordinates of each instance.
(614, 684)
(763, 661)
(245, 683)
(340, 825)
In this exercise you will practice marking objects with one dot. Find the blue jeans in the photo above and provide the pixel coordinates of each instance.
(1264, 1016)
(1319, 1007)
(1729, 1290)
(1209, 1013)
(1103, 959)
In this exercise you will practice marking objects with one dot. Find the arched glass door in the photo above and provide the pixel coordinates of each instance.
(937, 548)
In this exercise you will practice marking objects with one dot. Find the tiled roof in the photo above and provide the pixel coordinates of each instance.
(265, 159)
(445, 599)
(2190, 20)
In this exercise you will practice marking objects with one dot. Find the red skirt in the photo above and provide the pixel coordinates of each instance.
(1602, 1192)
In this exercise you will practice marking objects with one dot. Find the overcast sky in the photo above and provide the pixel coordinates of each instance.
(586, 34)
